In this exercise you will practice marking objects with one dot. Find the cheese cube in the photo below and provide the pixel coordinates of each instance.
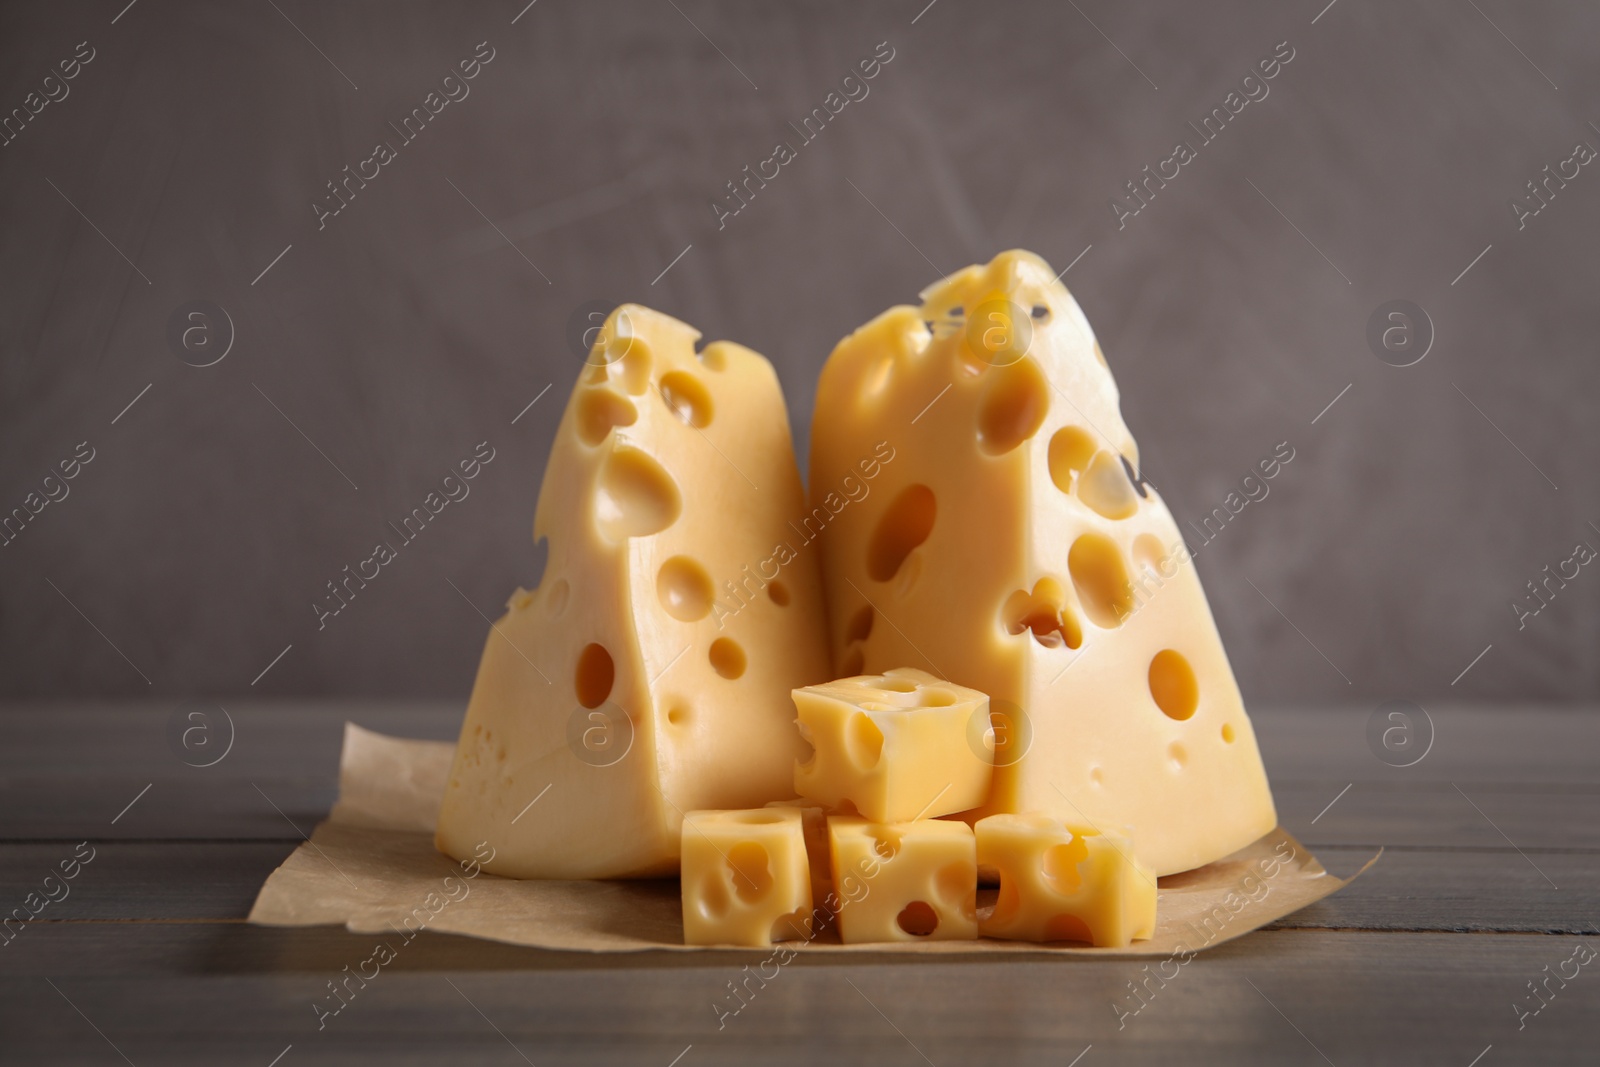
(1009, 540)
(909, 881)
(649, 672)
(898, 746)
(745, 877)
(1064, 883)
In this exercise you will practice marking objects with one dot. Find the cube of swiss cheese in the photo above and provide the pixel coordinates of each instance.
(907, 881)
(898, 746)
(1064, 883)
(746, 880)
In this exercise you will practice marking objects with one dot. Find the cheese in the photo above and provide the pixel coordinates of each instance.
(909, 881)
(1008, 548)
(745, 878)
(894, 747)
(649, 672)
(1064, 883)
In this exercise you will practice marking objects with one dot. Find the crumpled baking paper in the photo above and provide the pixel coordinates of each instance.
(372, 868)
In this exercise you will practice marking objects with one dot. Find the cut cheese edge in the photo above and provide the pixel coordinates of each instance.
(1010, 550)
(649, 673)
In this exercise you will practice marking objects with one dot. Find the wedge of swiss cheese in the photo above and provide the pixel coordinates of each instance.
(1010, 548)
(649, 673)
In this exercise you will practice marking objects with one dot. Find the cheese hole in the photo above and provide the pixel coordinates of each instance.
(897, 685)
(629, 359)
(886, 843)
(937, 698)
(860, 627)
(713, 899)
(713, 357)
(594, 676)
(598, 411)
(1100, 579)
(904, 525)
(1067, 928)
(910, 572)
(555, 601)
(1043, 612)
(779, 594)
(1148, 553)
(1227, 733)
(918, 919)
(635, 497)
(727, 658)
(1097, 777)
(1070, 451)
(677, 715)
(1178, 755)
(1106, 489)
(854, 661)
(752, 875)
(686, 398)
(1012, 408)
(1172, 684)
(684, 589)
(1060, 865)
(863, 741)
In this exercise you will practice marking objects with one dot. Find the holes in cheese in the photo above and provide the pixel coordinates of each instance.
(904, 524)
(1014, 403)
(885, 842)
(1173, 685)
(594, 675)
(918, 919)
(599, 410)
(896, 746)
(1106, 489)
(1044, 612)
(686, 398)
(556, 600)
(1061, 882)
(727, 658)
(860, 627)
(1069, 453)
(684, 589)
(1100, 579)
(713, 357)
(1149, 554)
(635, 496)
(1227, 733)
(746, 877)
(779, 593)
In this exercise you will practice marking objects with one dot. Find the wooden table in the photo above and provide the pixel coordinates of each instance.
(1488, 883)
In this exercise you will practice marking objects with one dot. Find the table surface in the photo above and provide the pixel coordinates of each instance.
(1487, 888)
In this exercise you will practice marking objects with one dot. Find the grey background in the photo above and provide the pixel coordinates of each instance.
(408, 330)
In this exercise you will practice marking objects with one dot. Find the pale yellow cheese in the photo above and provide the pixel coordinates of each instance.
(814, 820)
(745, 878)
(1064, 883)
(649, 673)
(1007, 549)
(894, 747)
(909, 881)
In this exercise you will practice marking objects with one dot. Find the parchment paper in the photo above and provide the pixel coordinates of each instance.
(372, 868)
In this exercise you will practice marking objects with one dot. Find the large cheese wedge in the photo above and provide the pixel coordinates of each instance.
(649, 673)
(1011, 548)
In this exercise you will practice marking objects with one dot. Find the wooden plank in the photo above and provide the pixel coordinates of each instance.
(1276, 997)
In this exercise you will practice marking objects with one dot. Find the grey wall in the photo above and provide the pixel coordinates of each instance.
(408, 329)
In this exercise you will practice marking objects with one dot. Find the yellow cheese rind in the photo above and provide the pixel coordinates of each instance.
(898, 746)
(1023, 567)
(910, 881)
(1064, 883)
(649, 672)
(745, 878)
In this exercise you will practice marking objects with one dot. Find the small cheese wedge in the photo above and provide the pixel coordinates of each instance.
(745, 878)
(909, 881)
(649, 673)
(1064, 883)
(1012, 546)
(894, 747)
